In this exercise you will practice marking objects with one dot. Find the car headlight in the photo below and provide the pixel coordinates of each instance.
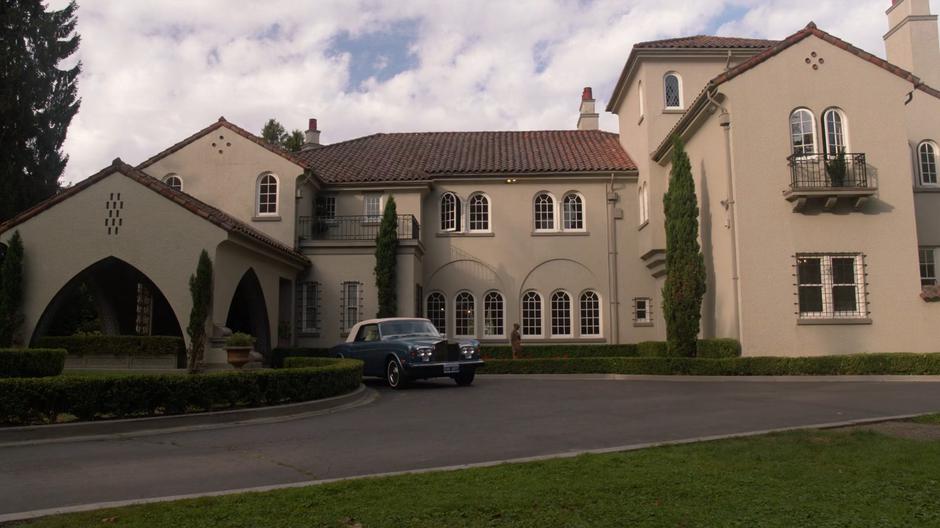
(468, 351)
(422, 353)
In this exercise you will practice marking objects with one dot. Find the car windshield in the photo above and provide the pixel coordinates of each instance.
(409, 328)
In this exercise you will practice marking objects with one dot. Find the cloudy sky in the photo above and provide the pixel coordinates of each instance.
(155, 72)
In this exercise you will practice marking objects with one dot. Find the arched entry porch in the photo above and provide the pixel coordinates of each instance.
(248, 312)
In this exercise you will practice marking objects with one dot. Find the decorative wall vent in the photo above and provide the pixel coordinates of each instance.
(114, 205)
(815, 60)
(221, 144)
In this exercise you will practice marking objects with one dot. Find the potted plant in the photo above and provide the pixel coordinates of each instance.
(238, 347)
(837, 169)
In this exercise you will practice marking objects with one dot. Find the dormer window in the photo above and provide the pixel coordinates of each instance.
(267, 195)
(672, 86)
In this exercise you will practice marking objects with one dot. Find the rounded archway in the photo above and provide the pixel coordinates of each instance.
(248, 312)
(111, 297)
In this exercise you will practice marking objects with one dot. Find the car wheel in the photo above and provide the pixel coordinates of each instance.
(465, 378)
(394, 375)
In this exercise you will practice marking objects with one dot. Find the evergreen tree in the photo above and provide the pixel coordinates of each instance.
(200, 288)
(295, 141)
(274, 132)
(37, 100)
(685, 264)
(11, 293)
(386, 261)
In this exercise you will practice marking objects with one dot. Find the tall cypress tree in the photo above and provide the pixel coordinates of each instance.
(37, 100)
(386, 261)
(200, 288)
(685, 264)
(11, 292)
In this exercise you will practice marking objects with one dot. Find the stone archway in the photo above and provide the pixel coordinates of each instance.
(121, 299)
(248, 312)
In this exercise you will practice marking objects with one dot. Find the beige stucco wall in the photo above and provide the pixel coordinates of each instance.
(228, 180)
(923, 125)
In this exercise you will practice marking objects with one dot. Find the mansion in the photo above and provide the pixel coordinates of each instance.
(815, 165)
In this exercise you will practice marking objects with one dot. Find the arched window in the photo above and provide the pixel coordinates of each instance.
(561, 314)
(479, 208)
(267, 195)
(450, 212)
(672, 87)
(493, 311)
(802, 132)
(436, 311)
(927, 161)
(836, 137)
(174, 182)
(573, 212)
(590, 314)
(531, 314)
(544, 212)
(464, 315)
(644, 205)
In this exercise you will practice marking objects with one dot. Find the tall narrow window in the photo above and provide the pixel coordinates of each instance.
(436, 311)
(927, 156)
(639, 96)
(802, 132)
(672, 86)
(267, 195)
(928, 268)
(372, 207)
(531, 314)
(309, 308)
(174, 182)
(493, 310)
(573, 212)
(479, 206)
(561, 314)
(544, 212)
(450, 212)
(326, 207)
(834, 122)
(590, 314)
(644, 203)
(831, 286)
(351, 305)
(464, 314)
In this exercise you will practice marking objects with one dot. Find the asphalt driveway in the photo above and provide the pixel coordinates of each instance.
(435, 424)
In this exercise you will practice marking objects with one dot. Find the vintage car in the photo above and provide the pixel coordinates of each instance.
(401, 350)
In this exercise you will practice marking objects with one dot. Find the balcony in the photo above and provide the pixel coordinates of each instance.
(353, 228)
(829, 178)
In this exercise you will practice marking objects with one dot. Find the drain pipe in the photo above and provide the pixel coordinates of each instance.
(612, 198)
(724, 119)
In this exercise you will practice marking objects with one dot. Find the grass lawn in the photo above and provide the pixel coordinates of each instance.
(930, 419)
(816, 478)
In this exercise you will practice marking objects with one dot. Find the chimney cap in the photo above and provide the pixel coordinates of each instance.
(312, 124)
(587, 94)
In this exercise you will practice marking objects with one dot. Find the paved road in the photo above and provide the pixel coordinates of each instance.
(435, 424)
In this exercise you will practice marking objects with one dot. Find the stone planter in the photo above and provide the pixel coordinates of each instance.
(238, 356)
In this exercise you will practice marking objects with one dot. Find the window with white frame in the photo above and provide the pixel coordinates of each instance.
(372, 207)
(590, 314)
(802, 132)
(436, 311)
(672, 88)
(326, 207)
(493, 315)
(928, 268)
(927, 162)
(531, 314)
(561, 314)
(309, 308)
(831, 286)
(644, 203)
(834, 125)
(641, 310)
(573, 212)
(174, 182)
(479, 211)
(544, 212)
(450, 212)
(351, 305)
(464, 314)
(267, 195)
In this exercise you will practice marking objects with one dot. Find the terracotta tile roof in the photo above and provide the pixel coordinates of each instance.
(197, 207)
(424, 156)
(221, 123)
(707, 42)
(760, 58)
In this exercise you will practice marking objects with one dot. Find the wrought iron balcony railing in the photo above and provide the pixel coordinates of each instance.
(353, 228)
(824, 172)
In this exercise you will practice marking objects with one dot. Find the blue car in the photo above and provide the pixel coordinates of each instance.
(401, 350)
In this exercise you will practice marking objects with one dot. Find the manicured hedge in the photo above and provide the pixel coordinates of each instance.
(713, 348)
(718, 348)
(278, 355)
(307, 362)
(859, 364)
(42, 400)
(104, 345)
(31, 362)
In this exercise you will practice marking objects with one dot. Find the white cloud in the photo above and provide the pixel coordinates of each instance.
(155, 72)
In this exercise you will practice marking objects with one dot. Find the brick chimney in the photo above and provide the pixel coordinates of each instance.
(311, 136)
(588, 120)
(912, 41)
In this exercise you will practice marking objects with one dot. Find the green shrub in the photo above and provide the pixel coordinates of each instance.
(104, 345)
(718, 348)
(31, 362)
(306, 362)
(562, 351)
(39, 400)
(652, 349)
(278, 355)
(239, 339)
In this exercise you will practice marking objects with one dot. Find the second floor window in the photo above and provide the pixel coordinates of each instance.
(672, 86)
(802, 132)
(450, 212)
(372, 207)
(927, 161)
(267, 195)
(479, 206)
(544, 212)
(326, 207)
(573, 212)
(834, 124)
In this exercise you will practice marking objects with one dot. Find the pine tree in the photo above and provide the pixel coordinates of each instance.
(685, 264)
(274, 132)
(11, 293)
(386, 260)
(200, 288)
(37, 100)
(295, 141)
